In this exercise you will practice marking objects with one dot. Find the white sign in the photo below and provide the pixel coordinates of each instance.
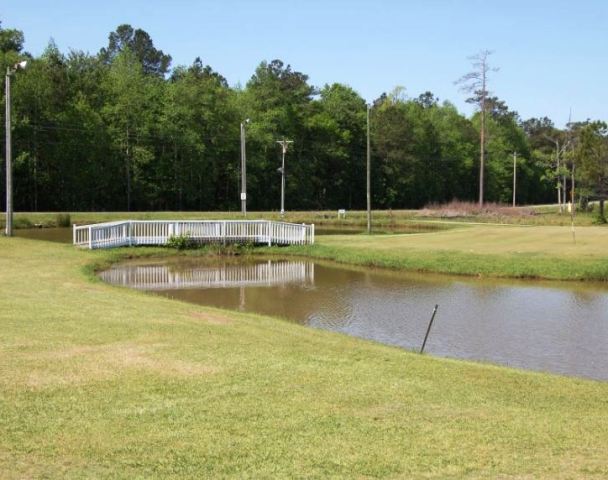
(341, 213)
(243, 196)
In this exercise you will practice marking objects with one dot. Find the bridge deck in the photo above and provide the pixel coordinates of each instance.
(158, 232)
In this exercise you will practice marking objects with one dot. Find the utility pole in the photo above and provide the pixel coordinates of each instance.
(514, 176)
(9, 165)
(243, 169)
(284, 144)
(369, 193)
(9, 159)
(559, 189)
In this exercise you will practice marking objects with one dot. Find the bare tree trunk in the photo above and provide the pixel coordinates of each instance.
(476, 82)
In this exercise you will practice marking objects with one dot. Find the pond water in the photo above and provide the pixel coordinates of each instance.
(61, 235)
(558, 327)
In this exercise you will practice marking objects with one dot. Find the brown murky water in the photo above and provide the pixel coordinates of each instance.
(558, 327)
(61, 235)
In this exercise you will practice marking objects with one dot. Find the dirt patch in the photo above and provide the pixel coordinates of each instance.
(211, 318)
(88, 363)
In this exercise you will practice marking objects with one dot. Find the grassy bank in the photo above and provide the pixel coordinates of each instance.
(97, 381)
(542, 215)
(496, 251)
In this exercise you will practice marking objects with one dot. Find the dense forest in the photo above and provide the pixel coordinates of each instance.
(122, 129)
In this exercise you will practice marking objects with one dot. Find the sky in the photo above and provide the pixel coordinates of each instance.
(552, 55)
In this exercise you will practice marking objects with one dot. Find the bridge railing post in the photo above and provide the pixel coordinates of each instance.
(268, 232)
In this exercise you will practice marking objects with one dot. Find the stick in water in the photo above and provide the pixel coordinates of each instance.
(428, 330)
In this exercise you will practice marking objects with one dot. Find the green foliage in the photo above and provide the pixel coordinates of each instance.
(22, 222)
(63, 220)
(182, 241)
(591, 155)
(119, 131)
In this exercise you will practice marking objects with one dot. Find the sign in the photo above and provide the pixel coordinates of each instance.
(243, 196)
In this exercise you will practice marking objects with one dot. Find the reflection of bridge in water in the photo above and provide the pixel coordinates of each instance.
(164, 277)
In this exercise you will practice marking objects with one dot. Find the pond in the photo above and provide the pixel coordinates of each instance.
(559, 327)
(61, 235)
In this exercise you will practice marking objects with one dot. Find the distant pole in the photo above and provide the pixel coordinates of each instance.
(369, 193)
(284, 144)
(572, 208)
(9, 166)
(514, 176)
(243, 169)
(9, 154)
(559, 187)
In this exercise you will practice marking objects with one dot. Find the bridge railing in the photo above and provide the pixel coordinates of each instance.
(158, 232)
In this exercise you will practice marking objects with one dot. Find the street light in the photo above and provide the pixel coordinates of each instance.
(243, 169)
(9, 166)
(284, 144)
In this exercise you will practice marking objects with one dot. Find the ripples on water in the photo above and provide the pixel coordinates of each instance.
(558, 327)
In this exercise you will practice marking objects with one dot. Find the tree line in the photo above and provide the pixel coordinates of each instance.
(122, 130)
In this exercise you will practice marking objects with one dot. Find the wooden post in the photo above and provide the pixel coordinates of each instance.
(428, 330)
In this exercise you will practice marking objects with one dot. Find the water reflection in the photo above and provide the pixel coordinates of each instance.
(556, 327)
(227, 275)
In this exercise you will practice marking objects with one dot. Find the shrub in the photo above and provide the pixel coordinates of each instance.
(457, 208)
(181, 242)
(22, 222)
(63, 220)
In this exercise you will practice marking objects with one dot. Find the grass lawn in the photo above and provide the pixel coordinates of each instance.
(98, 381)
(488, 250)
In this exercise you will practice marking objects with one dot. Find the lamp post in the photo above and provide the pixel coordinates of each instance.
(284, 144)
(243, 169)
(9, 164)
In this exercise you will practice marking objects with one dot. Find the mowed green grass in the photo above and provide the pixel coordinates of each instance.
(486, 250)
(102, 382)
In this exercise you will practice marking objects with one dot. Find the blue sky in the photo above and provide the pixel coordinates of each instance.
(552, 54)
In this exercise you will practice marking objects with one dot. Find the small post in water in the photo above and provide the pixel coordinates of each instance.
(428, 330)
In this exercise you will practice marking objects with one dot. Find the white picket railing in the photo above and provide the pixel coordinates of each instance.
(158, 232)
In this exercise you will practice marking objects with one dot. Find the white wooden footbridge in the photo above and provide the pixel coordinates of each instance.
(158, 232)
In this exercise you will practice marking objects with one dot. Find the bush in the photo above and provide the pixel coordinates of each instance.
(181, 242)
(458, 208)
(22, 222)
(63, 220)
